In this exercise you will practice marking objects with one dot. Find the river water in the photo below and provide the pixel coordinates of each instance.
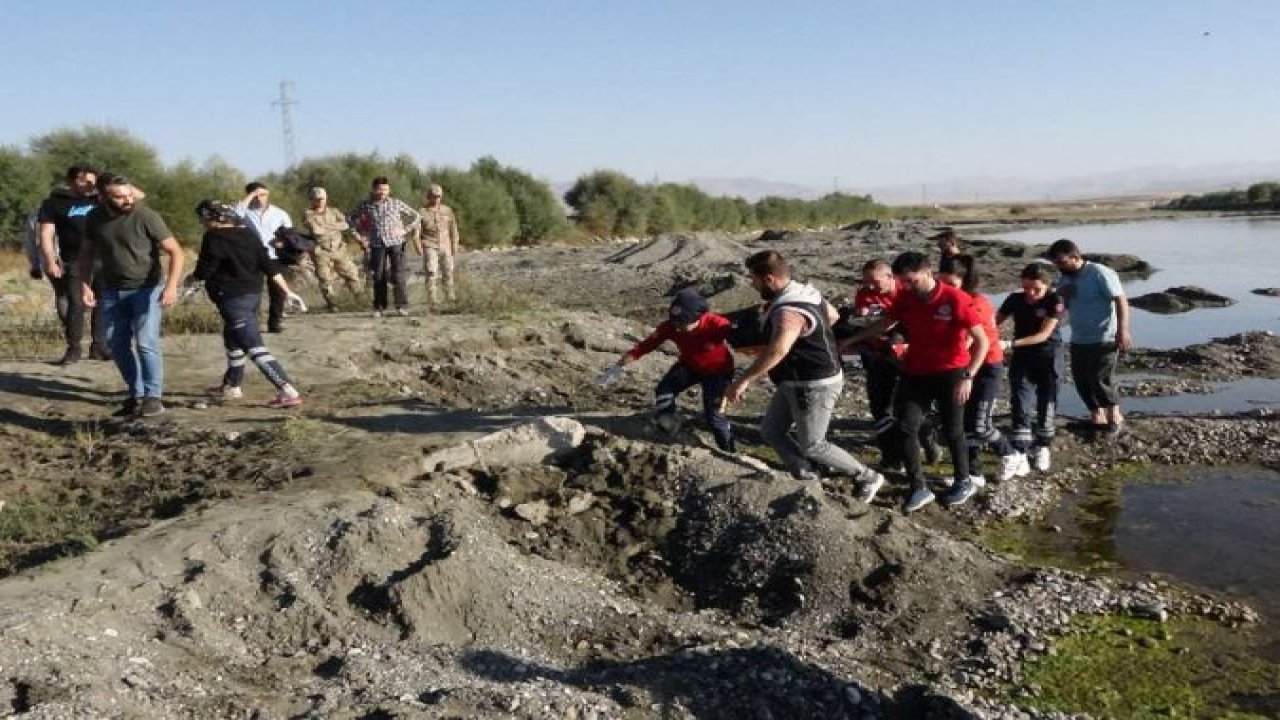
(1228, 256)
(1216, 528)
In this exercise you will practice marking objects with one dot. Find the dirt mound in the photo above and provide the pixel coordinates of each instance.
(677, 250)
(436, 599)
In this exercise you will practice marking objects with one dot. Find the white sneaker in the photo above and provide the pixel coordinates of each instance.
(960, 494)
(1024, 467)
(919, 498)
(1010, 465)
(377, 313)
(1040, 456)
(978, 480)
(867, 492)
(402, 312)
(225, 392)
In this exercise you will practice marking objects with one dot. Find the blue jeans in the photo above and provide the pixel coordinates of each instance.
(132, 319)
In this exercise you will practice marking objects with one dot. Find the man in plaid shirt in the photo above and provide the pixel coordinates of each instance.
(383, 224)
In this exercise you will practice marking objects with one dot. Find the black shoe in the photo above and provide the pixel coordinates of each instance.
(99, 352)
(150, 406)
(128, 408)
(70, 357)
(275, 328)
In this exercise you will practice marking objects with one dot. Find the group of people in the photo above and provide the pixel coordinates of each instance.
(931, 347)
(101, 248)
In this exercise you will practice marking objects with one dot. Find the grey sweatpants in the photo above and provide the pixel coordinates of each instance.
(795, 425)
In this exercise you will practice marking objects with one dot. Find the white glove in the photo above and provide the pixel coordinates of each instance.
(611, 374)
(1006, 345)
(190, 291)
(294, 301)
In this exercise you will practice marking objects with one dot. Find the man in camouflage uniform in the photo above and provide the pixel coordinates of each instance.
(327, 225)
(438, 242)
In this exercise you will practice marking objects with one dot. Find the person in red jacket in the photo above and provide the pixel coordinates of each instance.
(961, 271)
(704, 360)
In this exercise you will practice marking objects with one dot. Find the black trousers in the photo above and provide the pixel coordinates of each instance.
(276, 299)
(71, 309)
(1093, 367)
(979, 429)
(680, 378)
(883, 374)
(916, 394)
(388, 266)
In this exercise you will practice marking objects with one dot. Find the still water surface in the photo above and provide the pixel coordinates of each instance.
(1228, 256)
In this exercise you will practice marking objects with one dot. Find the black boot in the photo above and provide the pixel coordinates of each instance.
(70, 357)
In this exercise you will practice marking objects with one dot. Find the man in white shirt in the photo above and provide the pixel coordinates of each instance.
(258, 212)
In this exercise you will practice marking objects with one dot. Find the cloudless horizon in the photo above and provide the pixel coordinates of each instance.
(862, 93)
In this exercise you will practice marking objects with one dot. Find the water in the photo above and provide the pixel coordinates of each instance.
(1213, 528)
(1226, 398)
(1229, 256)
(1219, 531)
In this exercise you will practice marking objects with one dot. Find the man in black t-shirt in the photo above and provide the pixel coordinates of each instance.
(62, 228)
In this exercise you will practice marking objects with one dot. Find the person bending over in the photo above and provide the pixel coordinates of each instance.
(704, 360)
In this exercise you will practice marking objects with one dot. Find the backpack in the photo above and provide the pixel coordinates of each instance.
(290, 245)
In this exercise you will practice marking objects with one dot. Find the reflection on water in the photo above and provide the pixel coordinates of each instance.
(1229, 256)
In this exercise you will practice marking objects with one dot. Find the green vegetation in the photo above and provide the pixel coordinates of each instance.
(1121, 667)
(496, 204)
(1259, 196)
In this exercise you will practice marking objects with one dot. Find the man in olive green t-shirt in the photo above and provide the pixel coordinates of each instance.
(127, 238)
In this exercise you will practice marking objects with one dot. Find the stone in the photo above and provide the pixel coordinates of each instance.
(536, 512)
(529, 443)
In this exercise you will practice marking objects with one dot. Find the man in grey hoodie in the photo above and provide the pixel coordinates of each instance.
(803, 362)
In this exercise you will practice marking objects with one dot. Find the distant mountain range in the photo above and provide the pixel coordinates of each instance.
(1150, 180)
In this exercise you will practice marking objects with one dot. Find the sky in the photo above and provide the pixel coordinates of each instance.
(853, 92)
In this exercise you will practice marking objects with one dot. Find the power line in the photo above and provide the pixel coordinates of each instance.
(285, 103)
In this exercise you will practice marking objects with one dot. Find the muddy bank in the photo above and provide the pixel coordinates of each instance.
(376, 555)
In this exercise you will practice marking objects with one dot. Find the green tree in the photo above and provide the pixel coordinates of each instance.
(486, 213)
(346, 177)
(23, 184)
(541, 216)
(175, 194)
(108, 149)
(610, 204)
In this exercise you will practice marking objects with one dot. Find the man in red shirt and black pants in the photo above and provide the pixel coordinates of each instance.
(938, 367)
(704, 360)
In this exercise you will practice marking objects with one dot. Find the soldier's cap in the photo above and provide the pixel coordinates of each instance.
(435, 191)
(318, 192)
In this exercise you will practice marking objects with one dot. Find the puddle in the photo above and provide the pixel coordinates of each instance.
(1227, 398)
(1211, 528)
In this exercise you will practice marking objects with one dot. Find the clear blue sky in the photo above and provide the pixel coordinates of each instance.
(871, 91)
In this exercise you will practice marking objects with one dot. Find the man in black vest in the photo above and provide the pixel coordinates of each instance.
(802, 361)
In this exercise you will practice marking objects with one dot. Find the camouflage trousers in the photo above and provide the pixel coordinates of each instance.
(334, 264)
(437, 264)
